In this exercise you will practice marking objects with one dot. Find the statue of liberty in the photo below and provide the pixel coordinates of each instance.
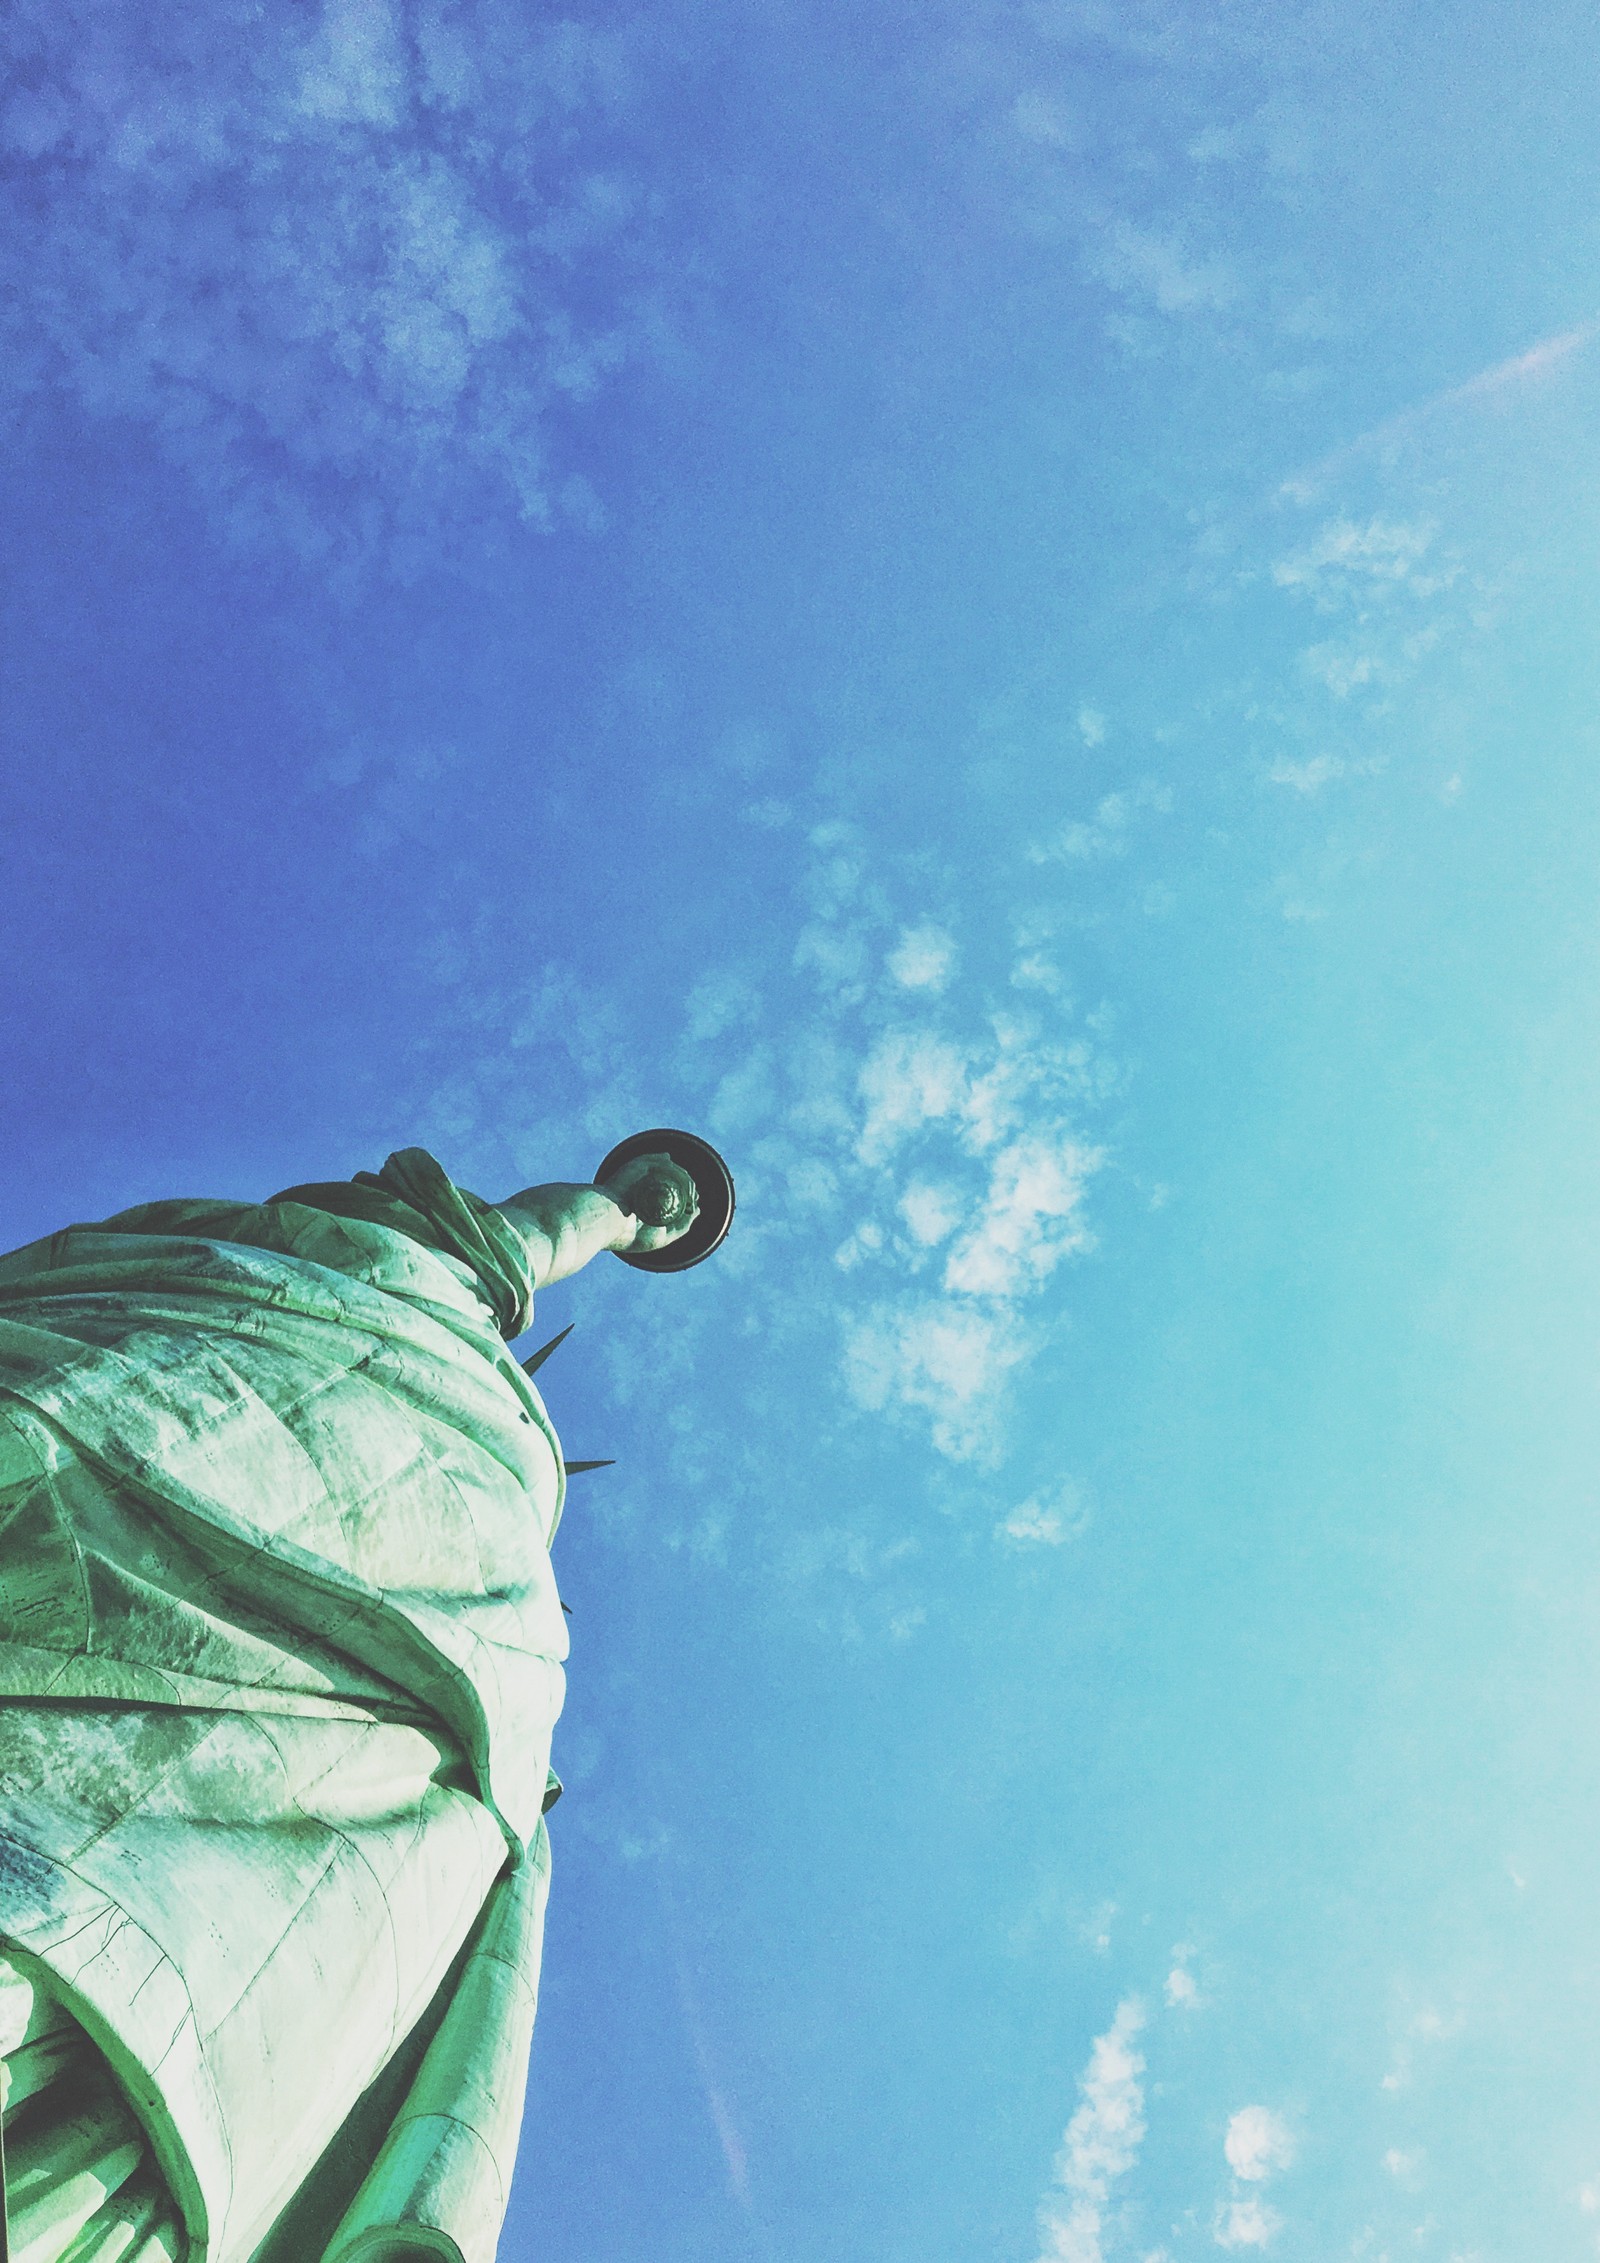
(280, 1657)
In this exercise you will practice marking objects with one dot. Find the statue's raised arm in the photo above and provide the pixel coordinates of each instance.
(280, 1657)
(649, 1204)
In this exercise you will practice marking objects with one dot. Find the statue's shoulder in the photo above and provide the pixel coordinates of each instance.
(408, 1231)
(199, 1217)
(198, 1241)
(69, 1248)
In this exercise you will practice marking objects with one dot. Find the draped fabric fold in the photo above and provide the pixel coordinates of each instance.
(82, 2185)
(416, 1196)
(280, 1656)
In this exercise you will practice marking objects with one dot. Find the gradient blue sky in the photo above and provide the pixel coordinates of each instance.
(994, 605)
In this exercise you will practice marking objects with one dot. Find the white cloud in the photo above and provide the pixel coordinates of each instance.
(1047, 1519)
(931, 1213)
(1306, 777)
(1347, 561)
(323, 254)
(1493, 384)
(1159, 270)
(947, 1363)
(743, 1097)
(1031, 1219)
(924, 959)
(866, 1241)
(928, 1135)
(1436, 2026)
(1257, 2143)
(1181, 1992)
(1095, 1931)
(1247, 2223)
(1033, 971)
(1101, 2144)
(1024, 1085)
(1002, 1107)
(1108, 833)
(1342, 669)
(836, 876)
(1091, 726)
(910, 1079)
(353, 69)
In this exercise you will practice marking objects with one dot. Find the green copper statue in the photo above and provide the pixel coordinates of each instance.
(280, 1657)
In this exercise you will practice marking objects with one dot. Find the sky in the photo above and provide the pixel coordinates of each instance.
(993, 606)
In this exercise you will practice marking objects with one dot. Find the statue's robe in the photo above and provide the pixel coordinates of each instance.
(280, 1656)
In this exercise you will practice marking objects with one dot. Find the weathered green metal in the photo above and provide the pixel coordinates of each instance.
(280, 1658)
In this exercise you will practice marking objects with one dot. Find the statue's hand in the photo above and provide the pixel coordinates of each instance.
(659, 1194)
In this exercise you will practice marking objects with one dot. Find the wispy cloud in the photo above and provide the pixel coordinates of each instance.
(1425, 2027)
(1307, 777)
(1346, 558)
(1181, 1992)
(912, 1078)
(942, 1362)
(1501, 382)
(1247, 2223)
(1101, 2144)
(1109, 832)
(1047, 1519)
(956, 1143)
(720, 2105)
(1008, 1203)
(915, 1174)
(924, 958)
(1157, 269)
(1031, 1218)
(1387, 579)
(348, 264)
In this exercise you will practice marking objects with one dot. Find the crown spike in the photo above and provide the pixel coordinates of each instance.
(532, 1366)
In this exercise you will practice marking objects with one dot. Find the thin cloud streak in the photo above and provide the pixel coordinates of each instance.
(731, 2142)
(1502, 377)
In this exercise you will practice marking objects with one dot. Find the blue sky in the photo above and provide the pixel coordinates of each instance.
(996, 607)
